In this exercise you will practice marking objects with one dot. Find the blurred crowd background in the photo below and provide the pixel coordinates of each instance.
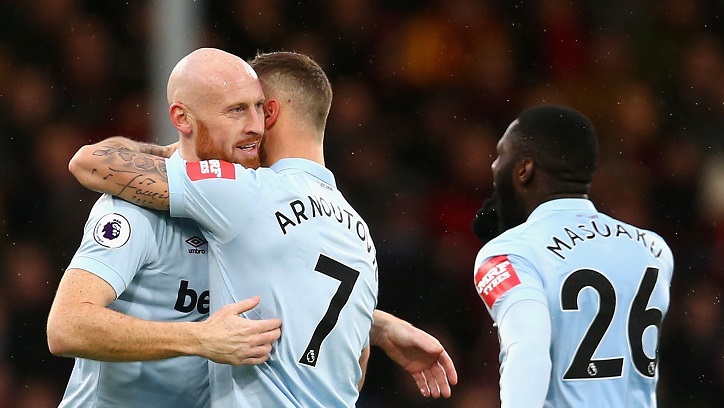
(423, 90)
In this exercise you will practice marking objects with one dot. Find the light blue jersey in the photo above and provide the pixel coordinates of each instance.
(158, 268)
(286, 234)
(605, 285)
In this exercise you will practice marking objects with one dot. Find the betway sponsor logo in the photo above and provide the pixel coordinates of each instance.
(188, 299)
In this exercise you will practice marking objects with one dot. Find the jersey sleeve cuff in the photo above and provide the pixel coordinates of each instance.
(101, 270)
(176, 173)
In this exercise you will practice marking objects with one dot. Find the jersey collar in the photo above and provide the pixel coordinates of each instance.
(562, 204)
(307, 166)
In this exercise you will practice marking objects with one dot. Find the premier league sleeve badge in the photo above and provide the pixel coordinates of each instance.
(112, 231)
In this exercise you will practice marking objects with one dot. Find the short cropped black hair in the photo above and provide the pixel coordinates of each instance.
(561, 141)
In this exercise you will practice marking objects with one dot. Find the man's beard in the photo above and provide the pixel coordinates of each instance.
(486, 224)
(262, 153)
(512, 210)
(206, 149)
(502, 211)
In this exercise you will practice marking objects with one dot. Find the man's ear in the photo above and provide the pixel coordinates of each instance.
(271, 113)
(524, 170)
(181, 119)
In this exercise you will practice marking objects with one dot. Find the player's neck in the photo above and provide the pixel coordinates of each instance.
(285, 143)
(565, 195)
(187, 150)
(298, 151)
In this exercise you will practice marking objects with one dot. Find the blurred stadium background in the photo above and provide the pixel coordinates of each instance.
(423, 90)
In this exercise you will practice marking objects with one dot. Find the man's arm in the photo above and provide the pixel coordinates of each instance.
(525, 338)
(80, 325)
(363, 360)
(141, 147)
(133, 171)
(419, 353)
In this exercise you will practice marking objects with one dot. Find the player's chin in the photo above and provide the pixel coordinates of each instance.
(248, 158)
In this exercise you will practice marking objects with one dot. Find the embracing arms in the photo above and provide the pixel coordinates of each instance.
(419, 353)
(81, 325)
(133, 171)
(136, 173)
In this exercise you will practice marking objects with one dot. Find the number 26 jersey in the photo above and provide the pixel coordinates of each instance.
(606, 286)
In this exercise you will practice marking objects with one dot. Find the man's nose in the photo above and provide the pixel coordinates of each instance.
(256, 123)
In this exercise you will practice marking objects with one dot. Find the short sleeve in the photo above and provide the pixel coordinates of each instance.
(501, 280)
(117, 241)
(218, 195)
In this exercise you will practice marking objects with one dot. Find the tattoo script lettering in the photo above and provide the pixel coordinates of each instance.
(142, 178)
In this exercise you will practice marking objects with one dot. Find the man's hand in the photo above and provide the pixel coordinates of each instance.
(228, 338)
(419, 353)
(163, 151)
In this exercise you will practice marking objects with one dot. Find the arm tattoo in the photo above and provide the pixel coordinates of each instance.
(141, 189)
(136, 177)
(136, 147)
(143, 163)
(124, 153)
(162, 169)
(152, 149)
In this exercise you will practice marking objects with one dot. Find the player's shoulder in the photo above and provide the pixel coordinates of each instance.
(512, 242)
(516, 238)
(108, 204)
(655, 243)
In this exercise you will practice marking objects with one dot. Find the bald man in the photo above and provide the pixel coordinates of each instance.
(132, 306)
(210, 93)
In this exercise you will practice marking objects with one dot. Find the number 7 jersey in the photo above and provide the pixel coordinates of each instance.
(287, 235)
(605, 285)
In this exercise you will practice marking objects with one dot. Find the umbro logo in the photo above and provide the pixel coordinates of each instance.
(196, 242)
